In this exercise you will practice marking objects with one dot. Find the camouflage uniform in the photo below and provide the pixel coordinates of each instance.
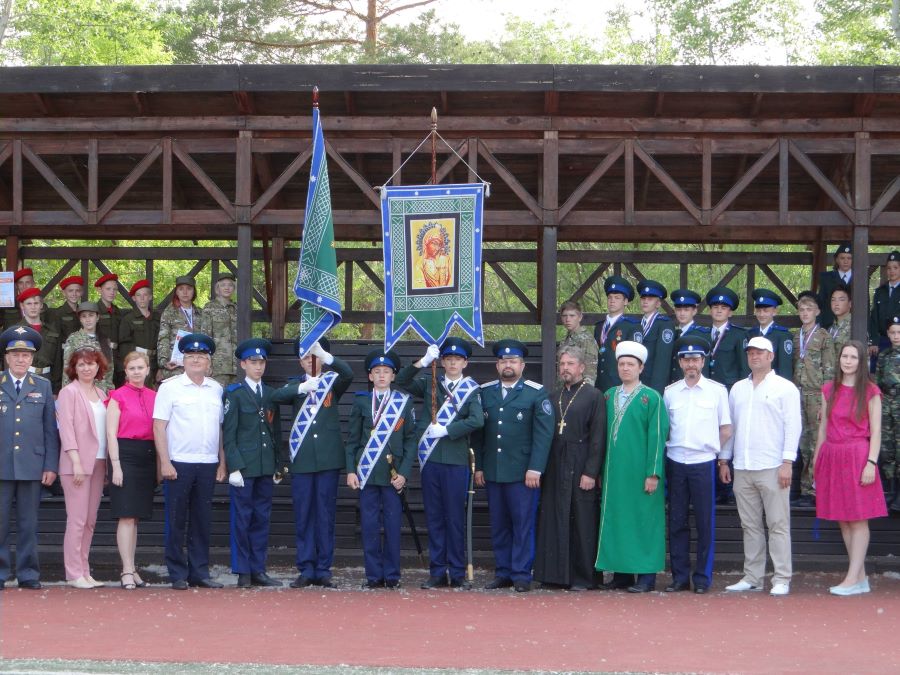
(172, 321)
(811, 371)
(887, 375)
(220, 322)
(584, 340)
(840, 335)
(80, 339)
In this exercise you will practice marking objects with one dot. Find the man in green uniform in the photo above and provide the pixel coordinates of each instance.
(220, 321)
(885, 305)
(23, 279)
(766, 305)
(251, 433)
(139, 327)
(615, 328)
(841, 275)
(887, 375)
(108, 321)
(66, 315)
(511, 453)
(578, 336)
(657, 335)
(381, 449)
(632, 536)
(48, 359)
(686, 303)
(317, 458)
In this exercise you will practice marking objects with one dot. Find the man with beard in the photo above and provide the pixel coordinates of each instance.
(570, 504)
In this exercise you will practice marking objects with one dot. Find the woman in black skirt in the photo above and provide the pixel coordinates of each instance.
(132, 455)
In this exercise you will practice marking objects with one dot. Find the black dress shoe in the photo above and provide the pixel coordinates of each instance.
(499, 582)
(244, 581)
(205, 583)
(2, 584)
(301, 582)
(31, 584)
(324, 583)
(522, 586)
(392, 583)
(370, 585)
(460, 583)
(640, 588)
(263, 579)
(434, 582)
(677, 586)
(701, 590)
(180, 585)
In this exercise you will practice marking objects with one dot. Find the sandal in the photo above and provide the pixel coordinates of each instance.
(140, 583)
(129, 586)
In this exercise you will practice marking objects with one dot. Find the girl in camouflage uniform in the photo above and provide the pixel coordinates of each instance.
(180, 315)
(87, 336)
(220, 323)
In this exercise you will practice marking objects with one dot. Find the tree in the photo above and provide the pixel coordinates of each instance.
(6, 8)
(858, 32)
(88, 32)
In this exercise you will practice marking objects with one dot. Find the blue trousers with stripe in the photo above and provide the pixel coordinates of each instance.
(251, 511)
(315, 503)
(379, 509)
(444, 490)
(513, 510)
(691, 485)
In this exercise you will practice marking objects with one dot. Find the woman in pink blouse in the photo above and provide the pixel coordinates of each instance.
(81, 415)
(132, 455)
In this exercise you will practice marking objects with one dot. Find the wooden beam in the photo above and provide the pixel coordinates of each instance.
(668, 182)
(60, 187)
(357, 179)
(863, 203)
(511, 181)
(133, 177)
(591, 180)
(745, 180)
(17, 208)
(822, 181)
(548, 262)
(201, 176)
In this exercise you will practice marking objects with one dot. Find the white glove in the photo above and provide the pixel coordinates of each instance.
(236, 479)
(308, 385)
(436, 431)
(277, 478)
(317, 351)
(432, 354)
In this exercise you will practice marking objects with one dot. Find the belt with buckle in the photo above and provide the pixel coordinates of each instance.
(40, 371)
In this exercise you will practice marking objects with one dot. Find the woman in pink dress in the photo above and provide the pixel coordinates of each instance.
(848, 488)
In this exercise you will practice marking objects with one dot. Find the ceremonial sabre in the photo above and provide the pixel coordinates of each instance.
(470, 570)
(389, 458)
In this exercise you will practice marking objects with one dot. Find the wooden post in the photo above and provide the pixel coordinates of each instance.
(548, 262)
(279, 288)
(863, 200)
(12, 253)
(244, 174)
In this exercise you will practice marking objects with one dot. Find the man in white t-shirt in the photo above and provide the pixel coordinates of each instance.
(187, 419)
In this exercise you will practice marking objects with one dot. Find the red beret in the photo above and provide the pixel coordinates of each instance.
(28, 293)
(138, 285)
(68, 281)
(24, 272)
(106, 277)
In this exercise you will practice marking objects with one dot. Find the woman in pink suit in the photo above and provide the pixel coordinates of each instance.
(81, 414)
(848, 488)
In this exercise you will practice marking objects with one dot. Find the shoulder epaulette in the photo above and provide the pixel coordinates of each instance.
(39, 377)
(776, 326)
(533, 384)
(673, 384)
(294, 378)
(709, 379)
(701, 329)
(363, 393)
(489, 384)
(234, 386)
(663, 317)
(630, 320)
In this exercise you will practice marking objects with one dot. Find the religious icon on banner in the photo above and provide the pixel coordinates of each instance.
(434, 256)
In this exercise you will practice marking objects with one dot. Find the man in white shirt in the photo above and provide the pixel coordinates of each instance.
(187, 419)
(699, 425)
(765, 409)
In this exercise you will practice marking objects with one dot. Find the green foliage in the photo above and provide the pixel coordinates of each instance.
(528, 42)
(89, 32)
(857, 32)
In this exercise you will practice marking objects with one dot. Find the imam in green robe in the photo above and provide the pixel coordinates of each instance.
(632, 536)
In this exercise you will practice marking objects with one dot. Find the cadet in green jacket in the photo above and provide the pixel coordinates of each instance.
(381, 448)
(727, 362)
(766, 305)
(251, 434)
(317, 458)
(108, 322)
(48, 359)
(511, 452)
(615, 328)
(657, 335)
(443, 449)
(66, 315)
(139, 327)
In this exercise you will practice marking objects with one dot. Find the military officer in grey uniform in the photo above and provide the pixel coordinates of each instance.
(511, 452)
(48, 359)
(766, 305)
(251, 433)
(615, 328)
(29, 452)
(316, 467)
(657, 335)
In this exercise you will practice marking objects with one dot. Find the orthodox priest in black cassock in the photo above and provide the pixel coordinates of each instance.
(569, 510)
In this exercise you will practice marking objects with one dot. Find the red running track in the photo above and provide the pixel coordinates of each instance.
(809, 631)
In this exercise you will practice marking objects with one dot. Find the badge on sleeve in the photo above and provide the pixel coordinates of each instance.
(788, 347)
(638, 337)
(545, 406)
(668, 335)
(227, 406)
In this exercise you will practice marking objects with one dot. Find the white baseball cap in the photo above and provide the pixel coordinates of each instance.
(759, 342)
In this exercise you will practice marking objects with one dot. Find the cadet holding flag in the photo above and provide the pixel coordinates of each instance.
(251, 433)
(511, 452)
(443, 450)
(657, 335)
(381, 448)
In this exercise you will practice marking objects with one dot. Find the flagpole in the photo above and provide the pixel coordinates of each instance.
(315, 103)
(434, 116)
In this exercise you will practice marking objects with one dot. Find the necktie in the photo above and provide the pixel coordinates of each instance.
(259, 392)
(451, 386)
(844, 278)
(505, 391)
(18, 386)
(715, 334)
(644, 323)
(677, 333)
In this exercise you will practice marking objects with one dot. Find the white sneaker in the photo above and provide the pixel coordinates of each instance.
(780, 589)
(742, 586)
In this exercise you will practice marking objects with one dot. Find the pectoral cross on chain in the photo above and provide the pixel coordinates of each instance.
(562, 425)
